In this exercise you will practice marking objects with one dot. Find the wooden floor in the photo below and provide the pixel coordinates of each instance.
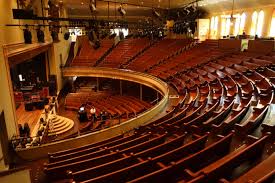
(31, 117)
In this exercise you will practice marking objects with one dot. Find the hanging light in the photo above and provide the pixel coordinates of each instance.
(92, 6)
(232, 14)
(121, 10)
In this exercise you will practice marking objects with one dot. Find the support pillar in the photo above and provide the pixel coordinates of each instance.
(140, 91)
(97, 84)
(120, 87)
(157, 96)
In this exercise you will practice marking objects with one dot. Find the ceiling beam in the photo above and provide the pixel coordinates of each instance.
(132, 4)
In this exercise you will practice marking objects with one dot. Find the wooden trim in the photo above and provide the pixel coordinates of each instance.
(10, 89)
(20, 53)
(120, 74)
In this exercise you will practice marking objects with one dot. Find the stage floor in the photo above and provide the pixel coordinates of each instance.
(31, 117)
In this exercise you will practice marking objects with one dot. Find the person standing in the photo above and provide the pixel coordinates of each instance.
(93, 114)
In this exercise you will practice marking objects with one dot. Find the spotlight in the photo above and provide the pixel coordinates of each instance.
(54, 36)
(92, 6)
(66, 35)
(121, 10)
(40, 35)
(155, 13)
(27, 35)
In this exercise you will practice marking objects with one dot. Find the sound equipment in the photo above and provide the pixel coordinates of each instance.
(46, 101)
(29, 106)
(39, 104)
(22, 14)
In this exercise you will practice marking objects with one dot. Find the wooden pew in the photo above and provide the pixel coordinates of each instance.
(127, 160)
(248, 152)
(258, 172)
(174, 170)
(147, 165)
(60, 153)
(235, 117)
(253, 122)
(217, 118)
(59, 169)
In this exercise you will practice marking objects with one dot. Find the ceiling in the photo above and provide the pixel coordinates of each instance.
(143, 8)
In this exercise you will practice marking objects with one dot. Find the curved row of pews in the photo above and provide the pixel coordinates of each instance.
(220, 131)
(88, 56)
(114, 105)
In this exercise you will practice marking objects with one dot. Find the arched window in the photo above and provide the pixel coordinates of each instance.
(254, 23)
(223, 24)
(227, 26)
(237, 24)
(212, 23)
(242, 23)
(216, 23)
(214, 26)
(260, 23)
(272, 26)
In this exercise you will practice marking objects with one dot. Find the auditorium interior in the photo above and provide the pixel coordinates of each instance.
(140, 91)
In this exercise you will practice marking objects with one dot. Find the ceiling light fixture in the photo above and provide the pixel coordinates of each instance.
(232, 13)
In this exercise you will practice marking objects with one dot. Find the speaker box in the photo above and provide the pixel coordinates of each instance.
(22, 14)
(29, 106)
(40, 104)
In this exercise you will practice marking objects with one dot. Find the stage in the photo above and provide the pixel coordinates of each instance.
(31, 117)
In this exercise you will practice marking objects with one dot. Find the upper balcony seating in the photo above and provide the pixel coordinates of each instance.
(157, 52)
(88, 56)
(124, 51)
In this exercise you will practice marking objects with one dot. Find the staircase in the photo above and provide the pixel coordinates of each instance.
(123, 66)
(105, 54)
(59, 125)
